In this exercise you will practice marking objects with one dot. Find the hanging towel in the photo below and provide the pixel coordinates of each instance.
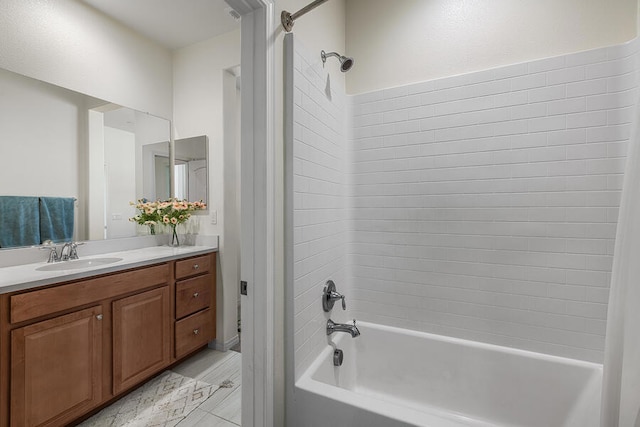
(19, 221)
(56, 219)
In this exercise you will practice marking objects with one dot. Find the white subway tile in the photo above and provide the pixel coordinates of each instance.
(610, 68)
(605, 166)
(587, 87)
(609, 133)
(511, 99)
(565, 106)
(584, 120)
(547, 93)
(530, 81)
(587, 309)
(547, 64)
(566, 137)
(622, 83)
(587, 57)
(545, 124)
(528, 111)
(510, 71)
(566, 75)
(586, 151)
(620, 116)
(611, 100)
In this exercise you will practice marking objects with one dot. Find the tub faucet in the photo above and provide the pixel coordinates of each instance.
(342, 327)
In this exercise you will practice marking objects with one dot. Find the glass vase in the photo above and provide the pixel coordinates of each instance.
(152, 229)
(174, 237)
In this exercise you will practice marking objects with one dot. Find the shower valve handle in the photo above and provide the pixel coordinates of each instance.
(330, 296)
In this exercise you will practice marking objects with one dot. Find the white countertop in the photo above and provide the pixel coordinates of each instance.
(26, 276)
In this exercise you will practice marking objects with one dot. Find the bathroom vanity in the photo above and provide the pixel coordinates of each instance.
(72, 343)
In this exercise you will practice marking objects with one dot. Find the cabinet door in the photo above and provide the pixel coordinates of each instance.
(141, 334)
(56, 369)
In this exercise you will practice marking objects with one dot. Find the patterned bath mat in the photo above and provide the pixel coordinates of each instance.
(162, 402)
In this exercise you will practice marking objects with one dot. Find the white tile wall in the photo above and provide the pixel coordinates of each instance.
(484, 206)
(319, 200)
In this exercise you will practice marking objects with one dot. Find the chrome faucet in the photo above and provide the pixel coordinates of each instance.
(69, 251)
(53, 253)
(342, 327)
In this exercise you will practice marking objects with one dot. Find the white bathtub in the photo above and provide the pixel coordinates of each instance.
(394, 377)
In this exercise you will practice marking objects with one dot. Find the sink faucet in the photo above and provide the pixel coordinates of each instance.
(342, 327)
(69, 251)
(53, 254)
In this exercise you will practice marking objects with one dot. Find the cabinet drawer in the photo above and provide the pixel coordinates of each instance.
(194, 331)
(34, 304)
(193, 266)
(193, 295)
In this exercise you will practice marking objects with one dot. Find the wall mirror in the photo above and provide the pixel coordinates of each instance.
(190, 170)
(61, 143)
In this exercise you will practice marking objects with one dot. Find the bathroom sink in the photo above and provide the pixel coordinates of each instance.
(78, 263)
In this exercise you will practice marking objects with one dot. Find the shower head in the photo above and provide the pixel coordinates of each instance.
(345, 62)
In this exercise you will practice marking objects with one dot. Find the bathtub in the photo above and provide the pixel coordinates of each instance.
(394, 377)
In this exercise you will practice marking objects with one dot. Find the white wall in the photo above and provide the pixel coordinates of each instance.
(39, 160)
(198, 110)
(486, 204)
(120, 169)
(69, 44)
(405, 41)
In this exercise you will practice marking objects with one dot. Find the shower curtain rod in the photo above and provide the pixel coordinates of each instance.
(288, 19)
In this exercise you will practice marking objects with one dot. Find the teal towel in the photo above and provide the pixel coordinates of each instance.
(19, 221)
(56, 219)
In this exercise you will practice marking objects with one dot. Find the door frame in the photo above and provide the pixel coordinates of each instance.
(258, 214)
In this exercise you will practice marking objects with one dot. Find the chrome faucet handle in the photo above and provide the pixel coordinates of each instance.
(330, 296)
(53, 253)
(73, 253)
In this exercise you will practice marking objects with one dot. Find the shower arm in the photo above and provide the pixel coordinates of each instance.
(324, 55)
(288, 19)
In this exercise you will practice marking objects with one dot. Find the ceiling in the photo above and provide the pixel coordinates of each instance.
(170, 23)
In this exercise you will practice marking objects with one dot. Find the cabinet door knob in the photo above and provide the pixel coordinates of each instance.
(99, 317)
(196, 331)
(195, 294)
(196, 266)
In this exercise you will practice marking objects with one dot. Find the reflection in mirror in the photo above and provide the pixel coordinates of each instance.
(125, 135)
(64, 144)
(190, 170)
(157, 171)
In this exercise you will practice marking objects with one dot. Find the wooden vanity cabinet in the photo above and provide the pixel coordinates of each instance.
(70, 348)
(195, 304)
(56, 369)
(141, 337)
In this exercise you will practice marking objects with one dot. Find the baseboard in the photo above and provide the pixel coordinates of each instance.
(224, 346)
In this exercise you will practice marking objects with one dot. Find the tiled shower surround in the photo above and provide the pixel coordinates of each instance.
(319, 154)
(484, 206)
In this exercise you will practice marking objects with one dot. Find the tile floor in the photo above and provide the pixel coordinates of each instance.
(222, 409)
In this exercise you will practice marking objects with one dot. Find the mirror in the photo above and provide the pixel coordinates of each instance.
(64, 144)
(190, 172)
(121, 148)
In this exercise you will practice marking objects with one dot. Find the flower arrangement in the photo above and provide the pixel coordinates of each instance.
(148, 214)
(168, 212)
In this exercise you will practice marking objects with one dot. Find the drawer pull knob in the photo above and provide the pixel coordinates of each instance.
(196, 331)
(99, 316)
(196, 266)
(195, 294)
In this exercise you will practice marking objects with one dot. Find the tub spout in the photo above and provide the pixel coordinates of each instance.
(342, 327)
